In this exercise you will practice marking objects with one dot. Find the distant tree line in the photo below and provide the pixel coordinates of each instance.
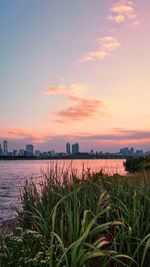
(139, 164)
(65, 156)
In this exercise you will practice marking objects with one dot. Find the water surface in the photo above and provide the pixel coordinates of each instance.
(13, 175)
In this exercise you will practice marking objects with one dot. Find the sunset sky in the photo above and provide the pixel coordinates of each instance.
(77, 71)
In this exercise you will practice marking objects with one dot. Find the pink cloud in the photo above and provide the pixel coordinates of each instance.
(19, 132)
(70, 89)
(92, 56)
(79, 109)
(123, 10)
(24, 134)
(118, 135)
(107, 45)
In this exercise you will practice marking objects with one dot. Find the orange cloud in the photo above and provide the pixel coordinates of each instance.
(70, 89)
(25, 134)
(80, 109)
(107, 45)
(123, 10)
(19, 132)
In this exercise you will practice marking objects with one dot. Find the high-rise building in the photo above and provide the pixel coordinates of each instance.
(132, 151)
(5, 148)
(75, 148)
(15, 153)
(127, 152)
(92, 151)
(37, 153)
(68, 148)
(21, 153)
(29, 150)
(1, 151)
(139, 153)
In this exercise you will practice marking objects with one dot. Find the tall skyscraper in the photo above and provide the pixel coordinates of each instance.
(5, 148)
(132, 151)
(68, 148)
(21, 153)
(1, 151)
(75, 148)
(15, 153)
(29, 150)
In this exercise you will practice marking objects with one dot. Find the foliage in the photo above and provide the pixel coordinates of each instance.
(139, 164)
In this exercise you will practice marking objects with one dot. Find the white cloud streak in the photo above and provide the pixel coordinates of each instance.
(107, 45)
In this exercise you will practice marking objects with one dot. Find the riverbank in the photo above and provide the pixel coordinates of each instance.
(98, 220)
(81, 156)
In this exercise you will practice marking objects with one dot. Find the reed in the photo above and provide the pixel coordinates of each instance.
(94, 220)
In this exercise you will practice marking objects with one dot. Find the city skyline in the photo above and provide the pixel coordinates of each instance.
(75, 71)
(69, 149)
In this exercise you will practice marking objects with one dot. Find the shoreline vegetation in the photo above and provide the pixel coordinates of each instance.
(63, 157)
(137, 164)
(67, 221)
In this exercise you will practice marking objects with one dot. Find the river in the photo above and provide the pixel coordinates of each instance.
(13, 175)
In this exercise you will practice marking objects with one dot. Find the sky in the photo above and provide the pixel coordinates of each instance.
(75, 71)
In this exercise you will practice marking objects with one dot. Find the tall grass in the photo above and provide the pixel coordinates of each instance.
(94, 220)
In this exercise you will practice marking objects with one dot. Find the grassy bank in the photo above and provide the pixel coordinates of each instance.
(94, 221)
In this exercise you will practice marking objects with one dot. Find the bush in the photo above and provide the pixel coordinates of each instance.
(133, 165)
